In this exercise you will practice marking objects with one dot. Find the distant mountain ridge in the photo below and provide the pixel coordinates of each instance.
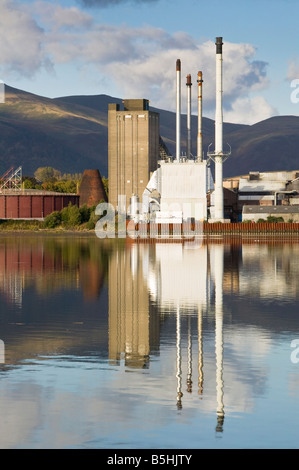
(71, 134)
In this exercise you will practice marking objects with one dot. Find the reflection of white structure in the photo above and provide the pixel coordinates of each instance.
(11, 283)
(270, 274)
(218, 272)
(2, 352)
(178, 277)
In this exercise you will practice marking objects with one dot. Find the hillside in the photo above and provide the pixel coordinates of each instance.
(70, 134)
(37, 131)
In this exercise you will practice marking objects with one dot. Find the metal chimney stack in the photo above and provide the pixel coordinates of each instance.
(218, 155)
(199, 129)
(219, 207)
(189, 144)
(219, 115)
(178, 109)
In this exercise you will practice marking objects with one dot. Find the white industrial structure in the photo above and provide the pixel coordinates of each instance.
(177, 191)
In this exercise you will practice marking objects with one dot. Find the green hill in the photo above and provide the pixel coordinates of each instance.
(70, 134)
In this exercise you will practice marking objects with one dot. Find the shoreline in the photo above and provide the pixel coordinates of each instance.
(142, 232)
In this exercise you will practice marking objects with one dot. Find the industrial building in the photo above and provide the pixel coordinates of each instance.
(259, 195)
(19, 203)
(133, 150)
(29, 204)
(91, 188)
(174, 189)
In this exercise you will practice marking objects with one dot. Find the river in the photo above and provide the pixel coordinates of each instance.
(108, 344)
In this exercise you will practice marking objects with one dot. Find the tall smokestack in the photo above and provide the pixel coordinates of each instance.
(218, 156)
(219, 115)
(219, 208)
(189, 144)
(199, 129)
(178, 109)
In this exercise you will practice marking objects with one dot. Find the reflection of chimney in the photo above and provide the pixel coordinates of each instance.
(189, 376)
(178, 109)
(189, 146)
(218, 253)
(179, 369)
(199, 131)
(200, 352)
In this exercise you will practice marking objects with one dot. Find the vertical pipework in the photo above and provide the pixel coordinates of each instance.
(189, 144)
(178, 109)
(199, 129)
(219, 207)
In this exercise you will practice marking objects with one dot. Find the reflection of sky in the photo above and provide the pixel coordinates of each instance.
(88, 404)
(69, 395)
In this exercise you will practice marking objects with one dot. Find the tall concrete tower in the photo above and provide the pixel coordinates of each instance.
(133, 150)
(218, 156)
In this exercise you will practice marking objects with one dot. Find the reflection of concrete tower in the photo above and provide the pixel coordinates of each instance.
(133, 150)
(129, 322)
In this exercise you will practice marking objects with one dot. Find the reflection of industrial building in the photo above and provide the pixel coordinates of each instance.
(49, 266)
(133, 332)
(182, 281)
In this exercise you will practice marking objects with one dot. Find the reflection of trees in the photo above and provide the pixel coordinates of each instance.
(51, 264)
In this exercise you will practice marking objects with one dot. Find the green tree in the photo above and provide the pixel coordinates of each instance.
(47, 173)
(71, 216)
(28, 184)
(105, 183)
(53, 220)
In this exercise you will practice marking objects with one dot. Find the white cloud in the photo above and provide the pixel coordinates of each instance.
(249, 110)
(106, 3)
(293, 70)
(21, 41)
(139, 62)
(57, 17)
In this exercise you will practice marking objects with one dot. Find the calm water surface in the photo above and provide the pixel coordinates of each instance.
(157, 346)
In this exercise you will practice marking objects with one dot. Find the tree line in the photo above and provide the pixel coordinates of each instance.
(50, 179)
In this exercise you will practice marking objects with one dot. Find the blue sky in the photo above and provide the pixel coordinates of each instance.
(128, 49)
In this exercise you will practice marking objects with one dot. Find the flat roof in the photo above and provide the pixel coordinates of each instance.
(270, 209)
(32, 192)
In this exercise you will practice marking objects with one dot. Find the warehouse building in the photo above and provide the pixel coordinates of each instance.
(29, 204)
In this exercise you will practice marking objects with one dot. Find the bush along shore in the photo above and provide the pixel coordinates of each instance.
(71, 218)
